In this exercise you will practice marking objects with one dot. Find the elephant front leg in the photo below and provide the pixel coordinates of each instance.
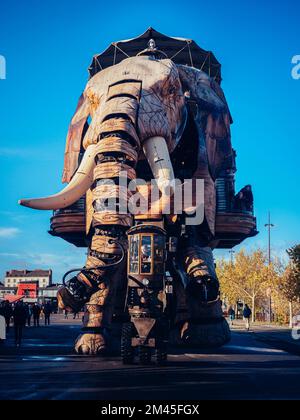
(95, 286)
(98, 313)
(92, 340)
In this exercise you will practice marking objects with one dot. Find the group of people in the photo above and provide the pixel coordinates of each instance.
(22, 314)
(246, 316)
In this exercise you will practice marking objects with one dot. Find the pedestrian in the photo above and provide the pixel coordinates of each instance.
(36, 312)
(47, 312)
(2, 323)
(66, 314)
(75, 315)
(2, 309)
(231, 314)
(19, 316)
(7, 313)
(29, 315)
(246, 315)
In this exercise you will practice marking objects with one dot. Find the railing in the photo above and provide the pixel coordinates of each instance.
(226, 199)
(77, 207)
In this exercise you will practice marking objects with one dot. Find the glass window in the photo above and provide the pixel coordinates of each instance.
(134, 254)
(146, 250)
(159, 254)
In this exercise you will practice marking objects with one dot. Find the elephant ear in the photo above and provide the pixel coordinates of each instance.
(76, 132)
(213, 118)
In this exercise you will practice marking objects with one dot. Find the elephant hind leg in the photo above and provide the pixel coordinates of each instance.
(202, 323)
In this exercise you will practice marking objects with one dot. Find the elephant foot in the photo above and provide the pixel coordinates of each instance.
(210, 335)
(90, 344)
(207, 329)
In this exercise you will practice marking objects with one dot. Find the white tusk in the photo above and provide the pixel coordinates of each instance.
(158, 156)
(77, 187)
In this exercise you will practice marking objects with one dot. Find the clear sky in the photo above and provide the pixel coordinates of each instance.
(48, 46)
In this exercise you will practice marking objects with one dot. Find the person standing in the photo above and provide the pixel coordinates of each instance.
(231, 314)
(29, 315)
(19, 316)
(246, 315)
(75, 315)
(36, 312)
(47, 312)
(2, 323)
(7, 313)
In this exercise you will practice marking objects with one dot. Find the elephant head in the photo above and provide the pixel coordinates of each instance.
(138, 109)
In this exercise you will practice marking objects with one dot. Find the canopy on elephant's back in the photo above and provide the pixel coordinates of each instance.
(180, 50)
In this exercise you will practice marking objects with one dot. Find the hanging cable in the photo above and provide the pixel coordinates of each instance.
(100, 267)
(116, 46)
(203, 64)
(115, 54)
(190, 54)
(178, 52)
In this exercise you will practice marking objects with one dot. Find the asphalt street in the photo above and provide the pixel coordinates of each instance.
(45, 367)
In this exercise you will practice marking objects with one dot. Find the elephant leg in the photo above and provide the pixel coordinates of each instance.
(99, 312)
(97, 286)
(116, 158)
(200, 320)
(92, 340)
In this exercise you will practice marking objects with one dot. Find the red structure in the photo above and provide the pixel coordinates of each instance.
(29, 290)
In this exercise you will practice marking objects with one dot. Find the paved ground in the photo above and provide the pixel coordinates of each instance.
(256, 365)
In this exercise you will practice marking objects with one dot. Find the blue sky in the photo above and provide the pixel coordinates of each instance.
(48, 46)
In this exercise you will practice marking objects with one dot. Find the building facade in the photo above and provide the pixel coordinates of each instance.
(34, 285)
(14, 277)
(44, 294)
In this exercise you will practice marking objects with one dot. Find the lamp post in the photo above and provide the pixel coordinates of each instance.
(269, 225)
(231, 252)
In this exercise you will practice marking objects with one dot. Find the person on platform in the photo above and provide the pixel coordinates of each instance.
(36, 312)
(243, 201)
(19, 316)
(246, 315)
(47, 312)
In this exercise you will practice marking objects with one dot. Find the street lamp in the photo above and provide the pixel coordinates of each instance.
(269, 225)
(231, 252)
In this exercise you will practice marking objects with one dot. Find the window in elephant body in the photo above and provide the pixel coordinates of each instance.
(134, 254)
(159, 254)
(146, 254)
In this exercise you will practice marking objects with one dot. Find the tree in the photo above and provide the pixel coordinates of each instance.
(246, 278)
(290, 286)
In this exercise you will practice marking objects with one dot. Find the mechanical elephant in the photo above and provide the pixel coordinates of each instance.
(142, 118)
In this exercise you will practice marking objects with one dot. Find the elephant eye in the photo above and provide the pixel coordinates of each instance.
(172, 90)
